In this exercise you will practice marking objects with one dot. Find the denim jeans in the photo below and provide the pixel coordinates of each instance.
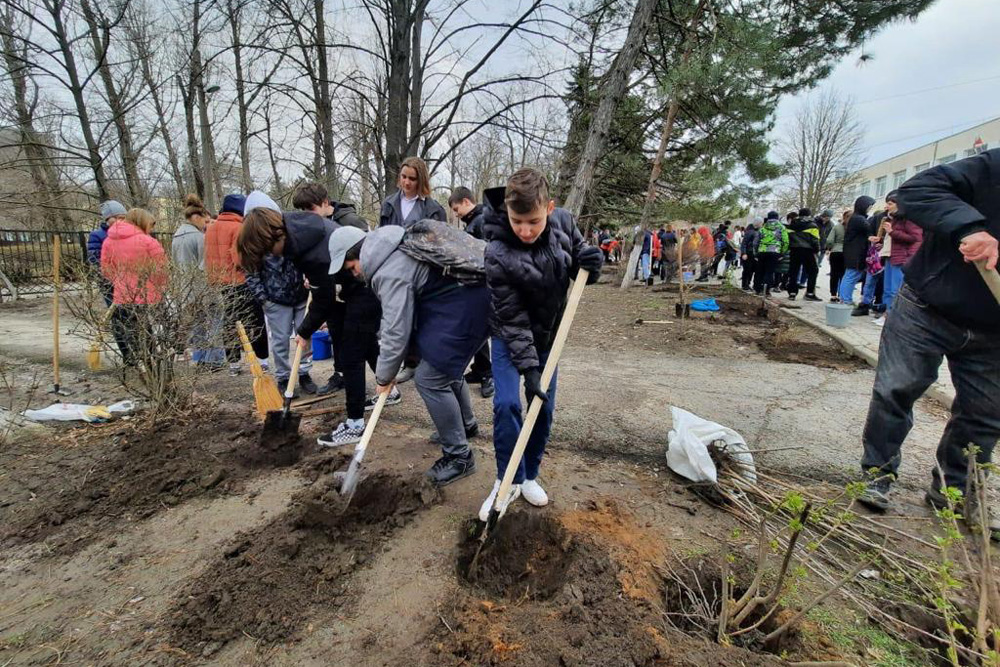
(646, 262)
(507, 418)
(914, 341)
(893, 277)
(850, 280)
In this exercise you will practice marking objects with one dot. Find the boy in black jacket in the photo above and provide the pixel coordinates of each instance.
(943, 310)
(533, 250)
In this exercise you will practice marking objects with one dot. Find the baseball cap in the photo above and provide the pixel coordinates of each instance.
(341, 241)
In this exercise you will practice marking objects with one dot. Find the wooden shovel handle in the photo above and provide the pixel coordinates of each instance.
(576, 291)
(293, 379)
(991, 277)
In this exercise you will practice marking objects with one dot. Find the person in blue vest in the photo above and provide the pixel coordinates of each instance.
(441, 320)
(412, 201)
(111, 212)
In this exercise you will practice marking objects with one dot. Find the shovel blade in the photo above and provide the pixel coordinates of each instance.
(280, 428)
(484, 537)
(351, 479)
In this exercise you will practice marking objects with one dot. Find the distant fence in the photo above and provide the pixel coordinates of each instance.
(26, 260)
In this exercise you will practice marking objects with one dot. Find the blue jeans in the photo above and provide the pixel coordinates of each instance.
(914, 341)
(507, 418)
(850, 280)
(893, 280)
(645, 261)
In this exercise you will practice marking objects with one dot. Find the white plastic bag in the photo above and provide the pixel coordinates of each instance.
(687, 451)
(67, 412)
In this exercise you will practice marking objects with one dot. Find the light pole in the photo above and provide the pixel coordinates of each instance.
(207, 145)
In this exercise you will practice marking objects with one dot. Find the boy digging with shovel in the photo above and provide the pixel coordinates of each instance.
(533, 250)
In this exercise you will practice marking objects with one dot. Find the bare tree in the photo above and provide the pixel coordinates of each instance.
(822, 153)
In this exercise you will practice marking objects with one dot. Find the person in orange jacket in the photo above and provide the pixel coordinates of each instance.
(222, 268)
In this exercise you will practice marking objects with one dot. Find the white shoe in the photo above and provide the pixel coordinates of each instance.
(880, 322)
(405, 374)
(534, 493)
(484, 511)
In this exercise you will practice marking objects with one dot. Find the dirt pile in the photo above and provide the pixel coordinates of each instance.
(573, 591)
(96, 476)
(268, 581)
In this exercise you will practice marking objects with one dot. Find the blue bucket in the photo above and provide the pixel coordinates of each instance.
(321, 346)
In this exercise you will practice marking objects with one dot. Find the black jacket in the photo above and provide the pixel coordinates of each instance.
(950, 202)
(474, 221)
(856, 234)
(528, 283)
(803, 234)
(392, 211)
(824, 230)
(307, 245)
(345, 215)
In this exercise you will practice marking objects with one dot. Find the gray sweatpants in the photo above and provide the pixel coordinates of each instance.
(450, 406)
(282, 322)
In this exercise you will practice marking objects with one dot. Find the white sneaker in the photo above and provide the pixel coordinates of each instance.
(484, 511)
(880, 322)
(405, 374)
(534, 493)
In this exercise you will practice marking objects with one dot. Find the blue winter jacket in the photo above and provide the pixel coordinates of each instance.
(278, 281)
(95, 242)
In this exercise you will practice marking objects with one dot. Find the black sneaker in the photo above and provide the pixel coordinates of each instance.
(812, 297)
(307, 384)
(860, 310)
(486, 388)
(394, 399)
(876, 495)
(448, 469)
(283, 386)
(334, 384)
(342, 435)
(791, 296)
(473, 378)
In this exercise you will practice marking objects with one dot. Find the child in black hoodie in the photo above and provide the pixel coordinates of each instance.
(533, 250)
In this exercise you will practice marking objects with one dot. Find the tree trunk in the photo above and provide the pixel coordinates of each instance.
(76, 91)
(613, 86)
(397, 90)
(416, 80)
(324, 105)
(193, 157)
(233, 13)
(130, 161)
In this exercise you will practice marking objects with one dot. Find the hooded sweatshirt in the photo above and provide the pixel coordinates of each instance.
(135, 264)
(773, 237)
(856, 234)
(188, 246)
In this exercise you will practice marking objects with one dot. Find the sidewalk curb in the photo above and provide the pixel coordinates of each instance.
(937, 392)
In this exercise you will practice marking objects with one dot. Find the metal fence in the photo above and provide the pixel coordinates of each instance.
(26, 260)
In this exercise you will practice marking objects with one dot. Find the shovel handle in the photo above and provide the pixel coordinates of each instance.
(992, 278)
(359, 449)
(293, 379)
(576, 291)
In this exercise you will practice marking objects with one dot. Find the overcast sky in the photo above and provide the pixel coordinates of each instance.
(952, 48)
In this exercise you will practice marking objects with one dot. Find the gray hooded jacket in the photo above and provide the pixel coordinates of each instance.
(188, 246)
(397, 279)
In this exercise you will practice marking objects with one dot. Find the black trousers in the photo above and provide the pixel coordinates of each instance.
(802, 258)
(749, 271)
(239, 305)
(482, 365)
(765, 276)
(836, 272)
(133, 331)
(357, 349)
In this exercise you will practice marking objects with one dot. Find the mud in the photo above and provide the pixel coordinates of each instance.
(796, 344)
(265, 583)
(591, 605)
(92, 477)
(280, 444)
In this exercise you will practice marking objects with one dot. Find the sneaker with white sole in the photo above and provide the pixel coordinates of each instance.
(394, 399)
(342, 435)
(484, 511)
(880, 322)
(534, 493)
(405, 374)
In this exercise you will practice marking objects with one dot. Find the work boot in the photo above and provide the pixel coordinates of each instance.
(448, 469)
(283, 386)
(876, 494)
(487, 506)
(334, 384)
(970, 513)
(861, 309)
(307, 384)
(486, 388)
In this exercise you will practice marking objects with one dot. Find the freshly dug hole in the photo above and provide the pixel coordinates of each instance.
(526, 555)
(268, 581)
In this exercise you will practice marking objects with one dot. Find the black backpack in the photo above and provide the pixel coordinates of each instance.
(455, 252)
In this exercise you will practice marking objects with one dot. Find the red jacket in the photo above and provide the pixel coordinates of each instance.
(906, 238)
(222, 265)
(135, 264)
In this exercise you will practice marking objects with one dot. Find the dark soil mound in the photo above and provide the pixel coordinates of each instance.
(279, 444)
(120, 474)
(267, 581)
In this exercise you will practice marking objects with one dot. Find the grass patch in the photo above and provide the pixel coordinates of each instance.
(851, 635)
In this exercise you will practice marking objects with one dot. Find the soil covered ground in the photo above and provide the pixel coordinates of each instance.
(172, 542)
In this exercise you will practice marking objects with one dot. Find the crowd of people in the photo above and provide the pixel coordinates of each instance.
(287, 274)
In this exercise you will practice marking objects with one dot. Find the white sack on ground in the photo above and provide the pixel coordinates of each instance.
(66, 412)
(688, 441)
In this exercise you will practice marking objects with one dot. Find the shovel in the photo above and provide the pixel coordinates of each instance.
(350, 484)
(992, 278)
(56, 288)
(94, 353)
(533, 411)
(282, 425)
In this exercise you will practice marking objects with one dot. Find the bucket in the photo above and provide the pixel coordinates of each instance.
(838, 315)
(321, 347)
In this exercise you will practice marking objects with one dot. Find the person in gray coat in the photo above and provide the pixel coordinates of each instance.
(412, 201)
(443, 321)
(188, 246)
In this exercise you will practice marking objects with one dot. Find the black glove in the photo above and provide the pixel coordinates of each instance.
(533, 384)
(591, 260)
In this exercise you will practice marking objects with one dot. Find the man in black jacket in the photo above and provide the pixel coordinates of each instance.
(463, 204)
(944, 310)
(855, 251)
(803, 244)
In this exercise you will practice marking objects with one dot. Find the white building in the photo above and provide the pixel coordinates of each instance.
(881, 178)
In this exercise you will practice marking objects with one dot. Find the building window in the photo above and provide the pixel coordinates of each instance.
(920, 167)
(898, 178)
(969, 152)
(864, 189)
(946, 159)
(880, 185)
